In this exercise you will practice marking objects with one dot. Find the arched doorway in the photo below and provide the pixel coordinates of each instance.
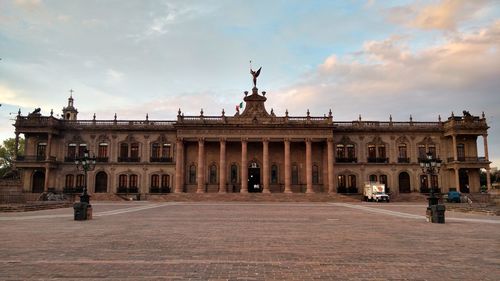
(254, 178)
(404, 182)
(101, 182)
(38, 183)
(463, 179)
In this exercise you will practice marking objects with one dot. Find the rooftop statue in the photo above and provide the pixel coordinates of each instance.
(255, 74)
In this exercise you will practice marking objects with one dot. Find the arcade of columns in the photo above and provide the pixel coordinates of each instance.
(179, 169)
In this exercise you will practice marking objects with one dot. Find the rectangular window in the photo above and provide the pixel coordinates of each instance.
(381, 152)
(351, 181)
(72, 150)
(81, 149)
(103, 150)
(134, 151)
(69, 181)
(372, 151)
(432, 151)
(155, 150)
(124, 150)
(461, 151)
(41, 150)
(351, 152)
(340, 151)
(421, 152)
(166, 150)
(402, 153)
(341, 181)
(424, 183)
(434, 181)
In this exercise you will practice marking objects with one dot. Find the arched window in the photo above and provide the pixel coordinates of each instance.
(213, 174)
(69, 181)
(155, 151)
(341, 184)
(403, 153)
(295, 174)
(274, 174)
(192, 174)
(80, 181)
(165, 181)
(234, 173)
(155, 181)
(383, 179)
(133, 181)
(373, 178)
(122, 181)
(351, 181)
(315, 174)
(134, 152)
(424, 184)
(434, 181)
(340, 151)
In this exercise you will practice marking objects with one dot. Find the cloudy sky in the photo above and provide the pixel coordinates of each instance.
(374, 58)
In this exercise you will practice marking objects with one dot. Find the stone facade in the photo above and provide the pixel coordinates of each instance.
(255, 151)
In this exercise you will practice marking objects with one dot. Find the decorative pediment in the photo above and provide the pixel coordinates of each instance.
(162, 139)
(76, 139)
(427, 141)
(377, 141)
(402, 139)
(130, 138)
(103, 138)
(254, 106)
(345, 140)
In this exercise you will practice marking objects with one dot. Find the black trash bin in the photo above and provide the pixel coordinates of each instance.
(438, 213)
(80, 211)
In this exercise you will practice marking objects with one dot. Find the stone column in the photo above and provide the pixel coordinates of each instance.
(288, 176)
(201, 166)
(487, 158)
(16, 148)
(455, 157)
(222, 166)
(265, 165)
(48, 150)
(47, 175)
(457, 179)
(331, 181)
(309, 182)
(179, 165)
(244, 167)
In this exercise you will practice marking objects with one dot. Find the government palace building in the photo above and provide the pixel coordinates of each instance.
(251, 151)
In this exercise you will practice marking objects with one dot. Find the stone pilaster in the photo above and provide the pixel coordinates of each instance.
(179, 165)
(265, 165)
(331, 181)
(455, 157)
(222, 166)
(288, 175)
(309, 183)
(244, 167)
(201, 166)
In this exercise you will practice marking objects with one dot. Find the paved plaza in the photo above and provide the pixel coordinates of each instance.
(248, 241)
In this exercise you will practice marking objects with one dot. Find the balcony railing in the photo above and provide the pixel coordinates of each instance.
(468, 159)
(403, 160)
(34, 158)
(343, 189)
(377, 160)
(164, 189)
(161, 159)
(102, 159)
(71, 190)
(346, 160)
(128, 190)
(129, 159)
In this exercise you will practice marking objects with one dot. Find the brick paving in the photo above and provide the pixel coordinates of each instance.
(248, 241)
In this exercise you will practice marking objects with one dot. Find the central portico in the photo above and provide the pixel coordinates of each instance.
(254, 151)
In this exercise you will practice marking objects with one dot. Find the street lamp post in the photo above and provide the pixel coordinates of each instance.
(85, 164)
(431, 166)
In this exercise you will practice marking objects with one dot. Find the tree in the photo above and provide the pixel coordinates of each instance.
(8, 154)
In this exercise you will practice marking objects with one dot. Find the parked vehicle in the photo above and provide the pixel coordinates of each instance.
(453, 196)
(375, 191)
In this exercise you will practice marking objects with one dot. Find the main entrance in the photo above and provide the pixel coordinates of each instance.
(404, 182)
(38, 184)
(463, 177)
(254, 178)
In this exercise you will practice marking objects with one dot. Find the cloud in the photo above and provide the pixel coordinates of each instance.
(444, 15)
(386, 70)
(113, 75)
(28, 4)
